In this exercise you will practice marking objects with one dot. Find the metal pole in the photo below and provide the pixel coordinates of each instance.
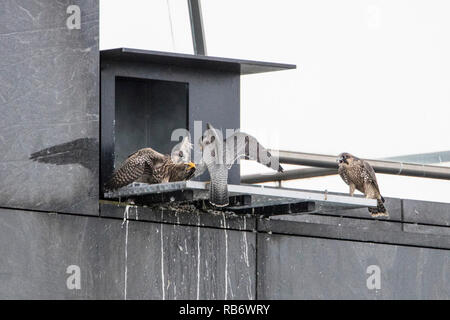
(329, 162)
(421, 158)
(288, 175)
(197, 29)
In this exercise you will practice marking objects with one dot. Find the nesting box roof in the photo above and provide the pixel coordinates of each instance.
(194, 61)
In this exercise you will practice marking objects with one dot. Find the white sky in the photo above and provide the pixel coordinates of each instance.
(372, 77)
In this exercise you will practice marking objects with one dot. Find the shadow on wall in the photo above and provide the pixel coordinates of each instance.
(84, 151)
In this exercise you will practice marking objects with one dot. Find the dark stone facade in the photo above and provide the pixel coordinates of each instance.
(49, 97)
(162, 253)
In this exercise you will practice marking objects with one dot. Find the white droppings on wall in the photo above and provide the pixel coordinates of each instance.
(162, 261)
(198, 259)
(226, 256)
(246, 259)
(126, 221)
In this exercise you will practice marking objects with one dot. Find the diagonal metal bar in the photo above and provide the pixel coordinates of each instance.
(288, 175)
(197, 29)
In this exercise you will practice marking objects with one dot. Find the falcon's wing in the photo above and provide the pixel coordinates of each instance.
(372, 177)
(138, 163)
(241, 144)
(200, 168)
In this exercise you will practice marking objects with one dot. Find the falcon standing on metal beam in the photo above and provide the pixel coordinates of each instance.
(359, 174)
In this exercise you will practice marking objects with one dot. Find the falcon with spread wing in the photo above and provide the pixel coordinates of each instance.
(218, 156)
(359, 174)
(149, 166)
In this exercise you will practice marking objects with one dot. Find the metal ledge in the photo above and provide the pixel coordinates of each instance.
(282, 199)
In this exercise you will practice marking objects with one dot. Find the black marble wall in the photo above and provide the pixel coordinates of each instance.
(161, 253)
(122, 260)
(292, 267)
(49, 106)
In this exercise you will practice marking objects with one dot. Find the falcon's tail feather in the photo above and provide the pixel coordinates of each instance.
(218, 194)
(114, 183)
(218, 189)
(380, 210)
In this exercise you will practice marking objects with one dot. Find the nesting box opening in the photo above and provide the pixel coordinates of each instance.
(146, 113)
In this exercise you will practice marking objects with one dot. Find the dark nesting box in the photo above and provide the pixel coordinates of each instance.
(145, 95)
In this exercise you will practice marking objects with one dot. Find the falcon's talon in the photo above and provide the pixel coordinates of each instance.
(379, 214)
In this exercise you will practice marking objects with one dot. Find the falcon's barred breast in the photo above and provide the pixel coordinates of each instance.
(359, 175)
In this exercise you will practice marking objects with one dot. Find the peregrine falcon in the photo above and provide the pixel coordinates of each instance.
(149, 166)
(359, 174)
(219, 155)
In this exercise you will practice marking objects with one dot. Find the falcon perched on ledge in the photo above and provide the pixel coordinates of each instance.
(359, 174)
(149, 166)
(219, 155)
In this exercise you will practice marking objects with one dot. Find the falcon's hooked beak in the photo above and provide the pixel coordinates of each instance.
(190, 170)
(342, 159)
(190, 165)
